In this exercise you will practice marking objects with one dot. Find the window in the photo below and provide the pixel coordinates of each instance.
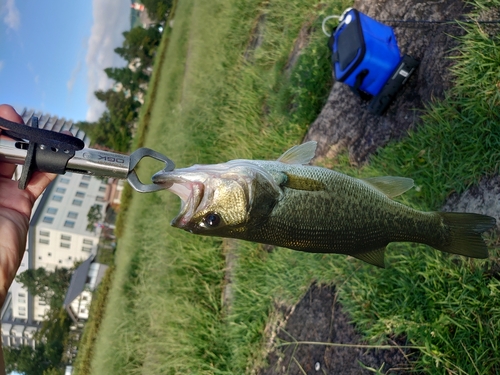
(52, 210)
(69, 258)
(45, 241)
(42, 303)
(82, 311)
(49, 254)
(60, 261)
(21, 295)
(87, 249)
(22, 308)
(61, 190)
(99, 199)
(65, 245)
(86, 177)
(64, 180)
(39, 258)
(77, 202)
(48, 219)
(21, 300)
(65, 237)
(44, 233)
(102, 189)
(72, 215)
(84, 185)
(69, 224)
(57, 198)
(88, 242)
(80, 194)
(22, 313)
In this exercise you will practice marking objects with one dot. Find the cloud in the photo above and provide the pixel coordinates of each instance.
(111, 19)
(12, 16)
(74, 75)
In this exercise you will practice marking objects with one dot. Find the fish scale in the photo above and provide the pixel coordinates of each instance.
(347, 213)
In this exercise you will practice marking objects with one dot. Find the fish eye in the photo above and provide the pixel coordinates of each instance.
(211, 220)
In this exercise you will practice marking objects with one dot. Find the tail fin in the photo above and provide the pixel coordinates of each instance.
(464, 233)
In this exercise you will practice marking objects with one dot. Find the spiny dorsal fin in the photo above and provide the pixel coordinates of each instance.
(302, 183)
(390, 185)
(300, 154)
(375, 257)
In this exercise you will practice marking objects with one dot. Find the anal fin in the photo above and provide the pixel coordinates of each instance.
(375, 257)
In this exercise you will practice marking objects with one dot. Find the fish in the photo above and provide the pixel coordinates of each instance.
(289, 203)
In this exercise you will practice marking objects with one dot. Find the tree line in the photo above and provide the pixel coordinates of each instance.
(45, 358)
(115, 128)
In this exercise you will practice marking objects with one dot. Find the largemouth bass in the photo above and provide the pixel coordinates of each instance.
(290, 204)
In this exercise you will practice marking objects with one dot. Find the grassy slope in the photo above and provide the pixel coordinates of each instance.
(150, 329)
(165, 313)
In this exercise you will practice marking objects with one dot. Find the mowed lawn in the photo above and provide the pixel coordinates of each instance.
(225, 91)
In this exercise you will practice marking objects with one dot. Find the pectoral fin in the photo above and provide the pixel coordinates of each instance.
(390, 185)
(302, 183)
(300, 154)
(375, 257)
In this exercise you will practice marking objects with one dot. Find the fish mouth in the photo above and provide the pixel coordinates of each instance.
(191, 193)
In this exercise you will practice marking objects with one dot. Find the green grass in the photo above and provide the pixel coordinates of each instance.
(165, 312)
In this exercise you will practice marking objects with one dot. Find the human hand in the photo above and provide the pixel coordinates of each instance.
(15, 212)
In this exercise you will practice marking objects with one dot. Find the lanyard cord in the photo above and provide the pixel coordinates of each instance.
(416, 23)
(424, 23)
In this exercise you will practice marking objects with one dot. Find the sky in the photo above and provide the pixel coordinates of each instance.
(53, 54)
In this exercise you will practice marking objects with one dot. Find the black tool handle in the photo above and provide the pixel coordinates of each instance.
(47, 151)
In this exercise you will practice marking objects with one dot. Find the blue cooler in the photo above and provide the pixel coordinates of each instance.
(365, 56)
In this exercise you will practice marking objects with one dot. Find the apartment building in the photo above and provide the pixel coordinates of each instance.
(59, 233)
(83, 283)
(58, 237)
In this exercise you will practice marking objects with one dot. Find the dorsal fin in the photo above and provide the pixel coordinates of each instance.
(390, 185)
(375, 257)
(300, 154)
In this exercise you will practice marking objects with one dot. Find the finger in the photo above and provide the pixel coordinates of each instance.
(38, 183)
(9, 113)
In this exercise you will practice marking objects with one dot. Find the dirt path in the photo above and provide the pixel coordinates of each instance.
(319, 318)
